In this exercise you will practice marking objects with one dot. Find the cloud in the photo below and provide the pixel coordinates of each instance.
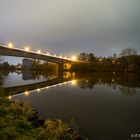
(68, 27)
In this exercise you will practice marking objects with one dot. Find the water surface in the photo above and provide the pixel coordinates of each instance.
(104, 105)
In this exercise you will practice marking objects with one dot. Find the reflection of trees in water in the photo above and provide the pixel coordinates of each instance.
(128, 82)
(3, 77)
(35, 75)
(86, 83)
(123, 81)
(128, 90)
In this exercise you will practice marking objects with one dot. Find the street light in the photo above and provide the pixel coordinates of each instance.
(48, 53)
(10, 45)
(27, 48)
(38, 51)
(73, 58)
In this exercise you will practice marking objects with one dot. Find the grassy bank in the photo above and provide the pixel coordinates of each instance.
(19, 122)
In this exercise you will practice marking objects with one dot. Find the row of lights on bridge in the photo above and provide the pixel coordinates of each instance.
(27, 48)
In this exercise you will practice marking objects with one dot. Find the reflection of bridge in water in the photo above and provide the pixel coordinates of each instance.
(35, 86)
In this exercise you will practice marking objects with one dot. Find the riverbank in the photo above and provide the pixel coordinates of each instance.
(19, 122)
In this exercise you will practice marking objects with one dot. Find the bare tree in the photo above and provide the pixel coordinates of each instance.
(128, 51)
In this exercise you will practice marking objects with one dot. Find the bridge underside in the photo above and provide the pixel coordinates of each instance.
(20, 53)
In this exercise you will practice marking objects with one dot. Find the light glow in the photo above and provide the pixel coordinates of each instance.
(38, 51)
(100, 59)
(26, 93)
(10, 45)
(9, 97)
(27, 48)
(48, 53)
(73, 58)
(74, 82)
(113, 61)
(47, 87)
(38, 90)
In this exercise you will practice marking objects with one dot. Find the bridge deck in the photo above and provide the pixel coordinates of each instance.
(21, 53)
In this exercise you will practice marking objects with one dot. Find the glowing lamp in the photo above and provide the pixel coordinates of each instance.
(38, 51)
(10, 45)
(73, 58)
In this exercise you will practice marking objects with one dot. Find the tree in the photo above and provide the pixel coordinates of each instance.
(82, 57)
(91, 57)
(128, 52)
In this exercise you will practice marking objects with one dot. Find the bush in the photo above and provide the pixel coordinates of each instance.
(17, 123)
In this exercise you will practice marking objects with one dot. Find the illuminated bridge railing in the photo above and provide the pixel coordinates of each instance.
(27, 49)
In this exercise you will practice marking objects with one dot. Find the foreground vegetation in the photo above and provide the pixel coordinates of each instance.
(19, 122)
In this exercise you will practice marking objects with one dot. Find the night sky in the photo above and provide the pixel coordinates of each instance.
(69, 27)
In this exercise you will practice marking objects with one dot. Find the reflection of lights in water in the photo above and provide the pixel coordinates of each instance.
(26, 93)
(38, 90)
(100, 59)
(113, 61)
(48, 53)
(73, 82)
(9, 97)
(114, 72)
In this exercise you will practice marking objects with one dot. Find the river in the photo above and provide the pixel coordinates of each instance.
(105, 106)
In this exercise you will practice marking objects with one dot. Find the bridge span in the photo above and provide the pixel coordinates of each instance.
(5, 51)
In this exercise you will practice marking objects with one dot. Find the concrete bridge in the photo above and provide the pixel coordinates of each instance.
(5, 51)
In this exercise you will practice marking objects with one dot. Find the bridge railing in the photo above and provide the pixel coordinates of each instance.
(39, 52)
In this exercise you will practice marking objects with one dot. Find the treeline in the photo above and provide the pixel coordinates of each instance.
(127, 61)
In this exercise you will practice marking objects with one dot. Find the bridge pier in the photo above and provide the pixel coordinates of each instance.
(60, 69)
